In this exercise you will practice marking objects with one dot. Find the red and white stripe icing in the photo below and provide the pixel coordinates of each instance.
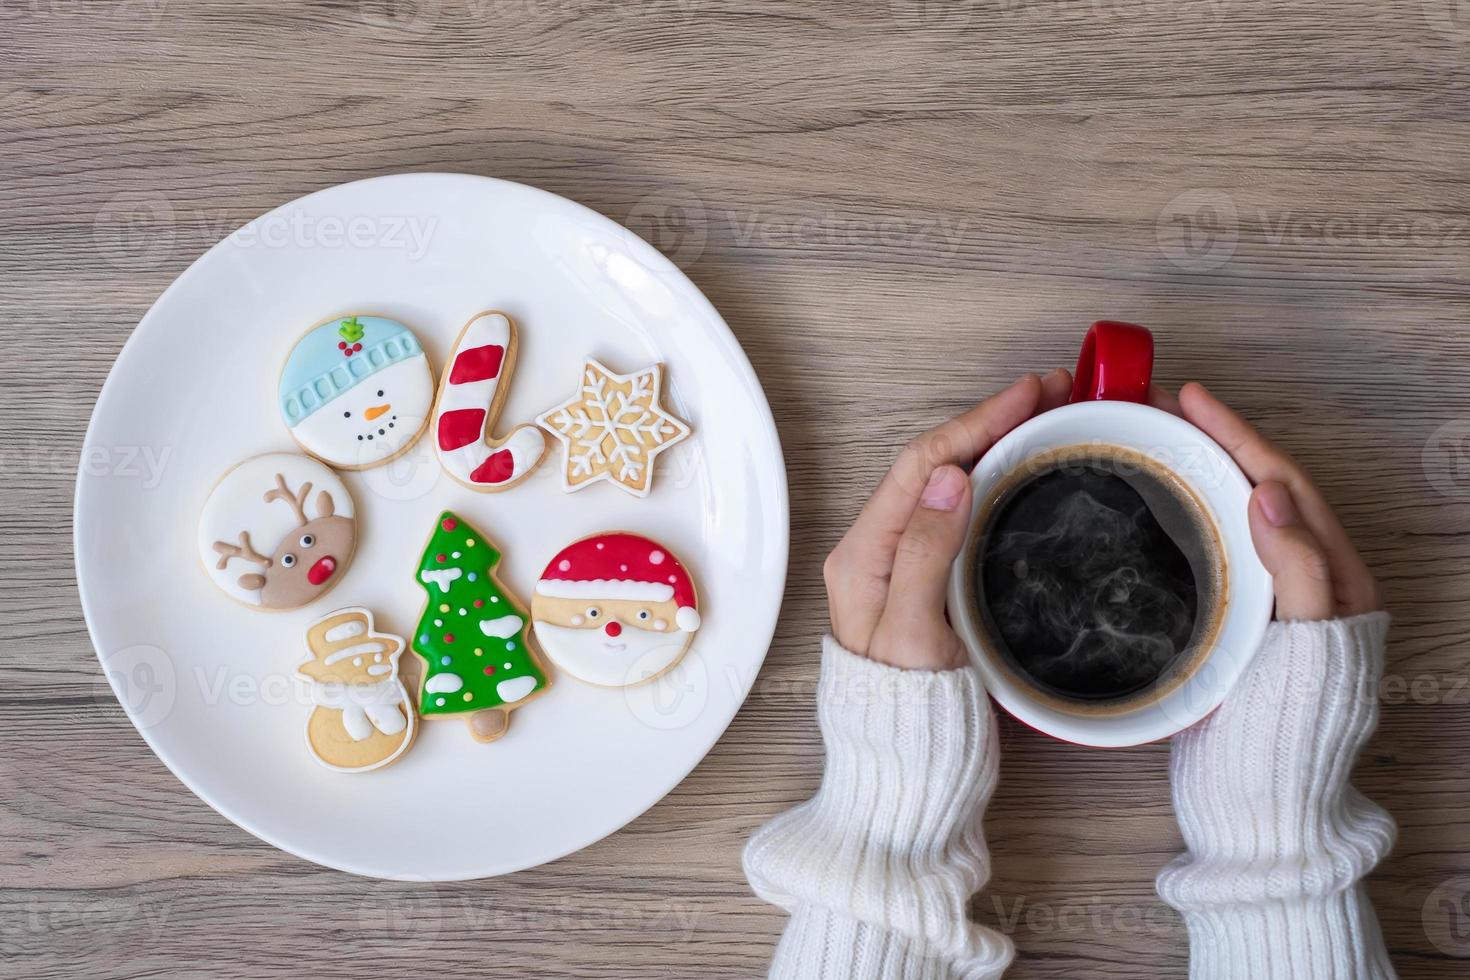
(463, 420)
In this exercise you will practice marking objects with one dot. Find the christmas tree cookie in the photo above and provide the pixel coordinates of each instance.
(472, 635)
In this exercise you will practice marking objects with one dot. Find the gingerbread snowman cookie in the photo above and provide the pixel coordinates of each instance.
(615, 609)
(361, 716)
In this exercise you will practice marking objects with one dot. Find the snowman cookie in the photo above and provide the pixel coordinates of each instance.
(615, 609)
(361, 716)
(356, 390)
(277, 531)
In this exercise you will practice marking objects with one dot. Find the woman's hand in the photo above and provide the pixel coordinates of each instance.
(887, 577)
(1316, 571)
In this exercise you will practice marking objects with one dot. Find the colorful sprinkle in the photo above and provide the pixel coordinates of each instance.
(448, 637)
(449, 524)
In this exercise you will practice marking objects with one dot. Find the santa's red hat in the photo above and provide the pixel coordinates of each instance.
(621, 566)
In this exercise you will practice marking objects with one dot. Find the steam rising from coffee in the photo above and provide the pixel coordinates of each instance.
(1086, 579)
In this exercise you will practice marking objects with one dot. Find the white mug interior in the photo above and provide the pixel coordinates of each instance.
(1201, 464)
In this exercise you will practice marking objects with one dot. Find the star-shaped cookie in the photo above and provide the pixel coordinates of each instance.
(613, 427)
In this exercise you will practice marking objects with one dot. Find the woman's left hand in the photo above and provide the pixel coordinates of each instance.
(887, 577)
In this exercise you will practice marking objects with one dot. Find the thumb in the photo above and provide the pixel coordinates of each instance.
(912, 632)
(1292, 554)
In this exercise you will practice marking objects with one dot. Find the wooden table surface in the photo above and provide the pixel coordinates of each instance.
(898, 206)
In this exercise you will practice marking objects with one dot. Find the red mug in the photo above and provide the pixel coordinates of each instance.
(1116, 363)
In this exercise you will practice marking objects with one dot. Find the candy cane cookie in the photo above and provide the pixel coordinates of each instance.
(476, 382)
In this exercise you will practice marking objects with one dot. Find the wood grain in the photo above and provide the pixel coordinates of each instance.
(899, 207)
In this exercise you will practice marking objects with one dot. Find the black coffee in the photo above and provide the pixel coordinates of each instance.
(1097, 573)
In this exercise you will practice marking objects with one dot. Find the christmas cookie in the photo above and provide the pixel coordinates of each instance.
(615, 609)
(613, 428)
(472, 635)
(356, 390)
(361, 717)
(277, 531)
(476, 381)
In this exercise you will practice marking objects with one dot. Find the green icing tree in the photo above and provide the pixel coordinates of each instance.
(472, 635)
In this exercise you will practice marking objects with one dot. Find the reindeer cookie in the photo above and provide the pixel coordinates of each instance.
(277, 531)
(361, 718)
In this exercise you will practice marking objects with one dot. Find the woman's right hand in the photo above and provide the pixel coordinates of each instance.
(1316, 571)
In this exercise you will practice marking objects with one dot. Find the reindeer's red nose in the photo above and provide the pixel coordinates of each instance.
(613, 629)
(322, 570)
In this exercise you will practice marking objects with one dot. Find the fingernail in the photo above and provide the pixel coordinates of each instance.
(945, 488)
(1277, 505)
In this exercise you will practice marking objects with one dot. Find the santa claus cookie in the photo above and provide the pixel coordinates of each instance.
(472, 635)
(277, 531)
(356, 390)
(615, 609)
(476, 382)
(613, 428)
(361, 717)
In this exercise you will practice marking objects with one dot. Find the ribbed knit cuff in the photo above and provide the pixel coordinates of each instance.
(1278, 840)
(878, 867)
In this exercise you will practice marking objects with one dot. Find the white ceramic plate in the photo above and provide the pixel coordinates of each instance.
(193, 392)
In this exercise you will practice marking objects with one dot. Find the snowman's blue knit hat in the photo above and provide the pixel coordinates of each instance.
(337, 355)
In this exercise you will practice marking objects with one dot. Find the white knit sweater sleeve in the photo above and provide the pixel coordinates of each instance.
(1278, 840)
(876, 869)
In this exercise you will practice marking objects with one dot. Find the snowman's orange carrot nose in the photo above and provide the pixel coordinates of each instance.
(375, 411)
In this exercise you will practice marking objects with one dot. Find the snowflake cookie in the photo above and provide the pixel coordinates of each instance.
(614, 427)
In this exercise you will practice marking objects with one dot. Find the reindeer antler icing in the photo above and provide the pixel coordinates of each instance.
(242, 550)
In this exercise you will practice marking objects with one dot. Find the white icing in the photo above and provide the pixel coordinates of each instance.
(345, 631)
(655, 557)
(604, 588)
(379, 669)
(592, 656)
(502, 627)
(364, 706)
(237, 504)
(408, 390)
(515, 688)
(443, 683)
(687, 619)
(441, 576)
(357, 649)
(621, 411)
(526, 444)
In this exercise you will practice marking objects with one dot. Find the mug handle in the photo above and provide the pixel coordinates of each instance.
(1116, 363)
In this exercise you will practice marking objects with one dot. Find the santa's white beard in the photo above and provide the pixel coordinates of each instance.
(591, 655)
